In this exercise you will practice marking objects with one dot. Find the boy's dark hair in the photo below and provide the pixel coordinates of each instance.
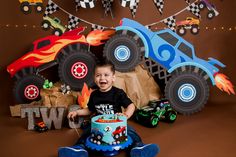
(106, 63)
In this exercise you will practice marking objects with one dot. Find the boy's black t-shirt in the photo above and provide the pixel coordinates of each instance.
(109, 102)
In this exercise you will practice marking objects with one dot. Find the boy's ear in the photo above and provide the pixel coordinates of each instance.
(114, 78)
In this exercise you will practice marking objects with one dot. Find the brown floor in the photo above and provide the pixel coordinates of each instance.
(210, 133)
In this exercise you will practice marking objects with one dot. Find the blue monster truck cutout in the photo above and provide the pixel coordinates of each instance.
(187, 89)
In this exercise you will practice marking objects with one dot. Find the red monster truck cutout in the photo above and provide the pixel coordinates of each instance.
(70, 51)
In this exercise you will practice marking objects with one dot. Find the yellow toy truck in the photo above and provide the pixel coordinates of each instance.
(25, 6)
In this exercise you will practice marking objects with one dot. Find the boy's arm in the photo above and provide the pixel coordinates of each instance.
(129, 110)
(80, 112)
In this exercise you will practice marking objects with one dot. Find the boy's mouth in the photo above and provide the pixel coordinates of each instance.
(103, 82)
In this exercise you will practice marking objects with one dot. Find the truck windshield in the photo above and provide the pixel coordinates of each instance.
(169, 38)
(185, 49)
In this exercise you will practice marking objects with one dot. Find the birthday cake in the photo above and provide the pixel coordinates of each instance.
(108, 130)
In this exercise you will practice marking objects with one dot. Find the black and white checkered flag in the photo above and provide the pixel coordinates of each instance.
(77, 4)
(159, 4)
(125, 3)
(73, 22)
(170, 22)
(50, 8)
(193, 8)
(94, 27)
(107, 5)
(87, 3)
(133, 7)
(187, 1)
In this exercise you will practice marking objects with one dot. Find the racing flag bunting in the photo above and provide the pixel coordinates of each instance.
(159, 4)
(50, 8)
(132, 4)
(125, 3)
(194, 9)
(107, 6)
(133, 7)
(170, 22)
(77, 4)
(85, 3)
(94, 27)
(73, 22)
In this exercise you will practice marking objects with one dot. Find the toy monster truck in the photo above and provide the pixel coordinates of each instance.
(187, 89)
(155, 111)
(26, 6)
(55, 23)
(212, 12)
(189, 23)
(69, 51)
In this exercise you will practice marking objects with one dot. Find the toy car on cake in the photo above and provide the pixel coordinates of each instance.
(155, 111)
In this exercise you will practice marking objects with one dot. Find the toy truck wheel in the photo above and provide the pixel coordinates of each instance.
(27, 89)
(46, 25)
(25, 8)
(76, 68)
(194, 29)
(123, 51)
(201, 5)
(154, 120)
(210, 14)
(181, 31)
(170, 116)
(57, 32)
(187, 92)
(39, 7)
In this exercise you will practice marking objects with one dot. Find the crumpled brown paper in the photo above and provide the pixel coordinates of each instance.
(139, 85)
(53, 97)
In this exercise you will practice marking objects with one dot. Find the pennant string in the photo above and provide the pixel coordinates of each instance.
(149, 25)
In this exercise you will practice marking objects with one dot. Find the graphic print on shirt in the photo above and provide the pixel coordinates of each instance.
(105, 109)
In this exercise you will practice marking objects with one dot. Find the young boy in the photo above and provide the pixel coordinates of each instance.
(108, 100)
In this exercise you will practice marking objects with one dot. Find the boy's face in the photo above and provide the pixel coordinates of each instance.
(104, 78)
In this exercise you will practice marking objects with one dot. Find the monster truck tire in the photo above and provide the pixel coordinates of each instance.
(46, 25)
(154, 120)
(76, 68)
(194, 29)
(39, 7)
(201, 5)
(181, 31)
(27, 88)
(25, 8)
(123, 51)
(187, 92)
(170, 116)
(210, 14)
(57, 32)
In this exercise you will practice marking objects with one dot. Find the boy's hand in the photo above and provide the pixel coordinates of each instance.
(122, 114)
(71, 115)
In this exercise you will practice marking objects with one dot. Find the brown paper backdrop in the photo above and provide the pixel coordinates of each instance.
(218, 43)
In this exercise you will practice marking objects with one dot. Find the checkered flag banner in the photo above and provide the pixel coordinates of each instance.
(87, 3)
(170, 22)
(73, 22)
(133, 7)
(193, 8)
(77, 4)
(94, 27)
(107, 5)
(187, 1)
(159, 4)
(50, 8)
(125, 3)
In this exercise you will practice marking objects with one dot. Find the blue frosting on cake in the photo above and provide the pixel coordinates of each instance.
(108, 130)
